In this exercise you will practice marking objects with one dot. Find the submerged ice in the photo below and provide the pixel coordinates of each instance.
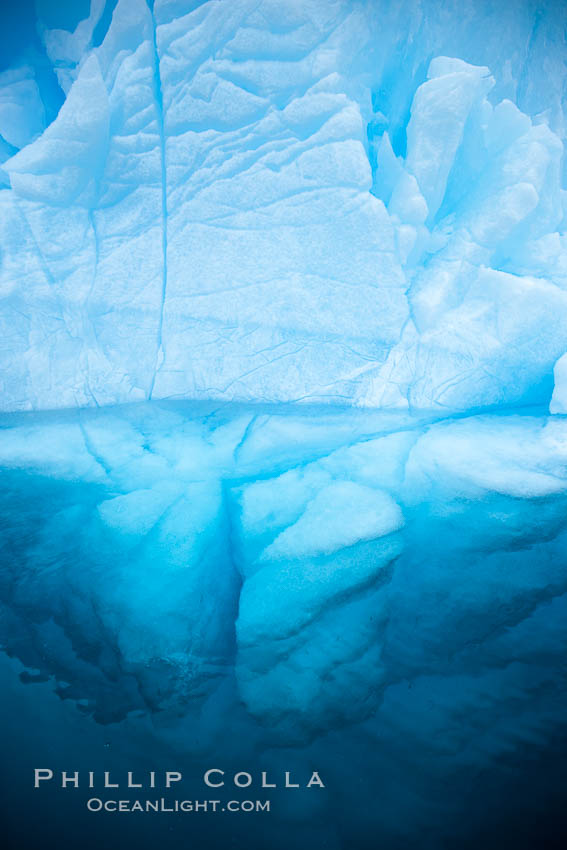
(378, 596)
(303, 556)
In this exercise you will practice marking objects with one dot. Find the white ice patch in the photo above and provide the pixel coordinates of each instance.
(341, 514)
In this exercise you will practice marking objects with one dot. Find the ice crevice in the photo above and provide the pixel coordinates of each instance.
(162, 151)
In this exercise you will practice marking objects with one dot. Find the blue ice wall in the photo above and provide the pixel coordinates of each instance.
(303, 201)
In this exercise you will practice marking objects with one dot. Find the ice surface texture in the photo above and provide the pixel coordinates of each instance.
(287, 201)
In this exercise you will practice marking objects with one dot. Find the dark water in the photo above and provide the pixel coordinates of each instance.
(518, 804)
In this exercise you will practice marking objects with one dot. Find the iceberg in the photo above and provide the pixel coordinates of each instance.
(283, 384)
(273, 204)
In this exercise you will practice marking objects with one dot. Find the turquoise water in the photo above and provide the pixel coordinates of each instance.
(374, 597)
